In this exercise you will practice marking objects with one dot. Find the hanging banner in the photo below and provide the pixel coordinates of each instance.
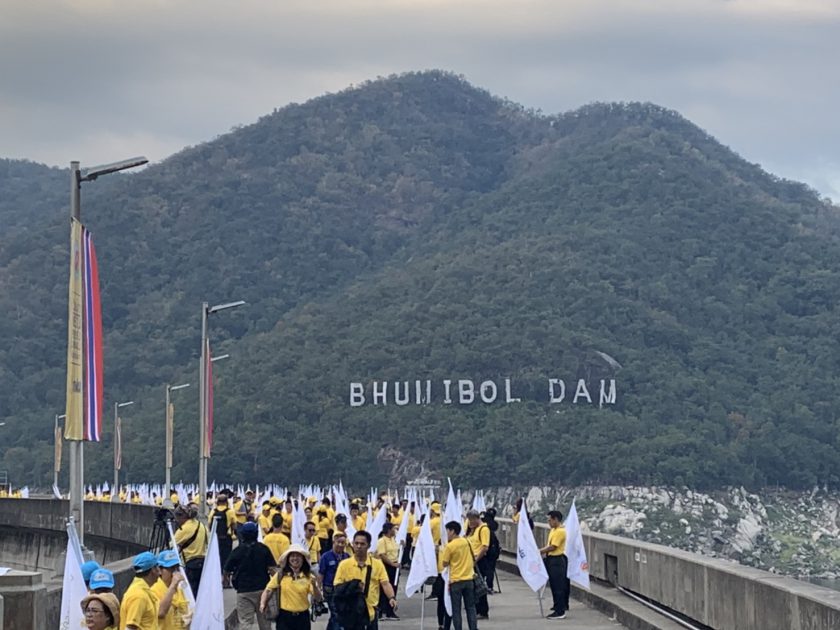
(57, 464)
(74, 410)
(170, 433)
(93, 342)
(118, 444)
(208, 402)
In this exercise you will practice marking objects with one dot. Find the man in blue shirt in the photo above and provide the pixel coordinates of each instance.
(327, 567)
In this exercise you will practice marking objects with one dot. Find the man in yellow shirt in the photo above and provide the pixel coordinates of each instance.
(140, 606)
(355, 568)
(458, 556)
(358, 520)
(191, 538)
(556, 564)
(277, 541)
(313, 543)
(478, 535)
(174, 611)
(264, 519)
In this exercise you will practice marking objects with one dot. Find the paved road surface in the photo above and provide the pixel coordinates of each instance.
(515, 608)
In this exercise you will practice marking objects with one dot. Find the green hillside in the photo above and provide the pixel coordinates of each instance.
(418, 228)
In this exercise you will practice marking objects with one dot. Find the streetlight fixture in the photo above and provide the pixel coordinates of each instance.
(170, 428)
(203, 451)
(57, 450)
(77, 477)
(115, 491)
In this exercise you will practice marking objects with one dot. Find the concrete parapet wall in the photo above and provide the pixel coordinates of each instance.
(716, 593)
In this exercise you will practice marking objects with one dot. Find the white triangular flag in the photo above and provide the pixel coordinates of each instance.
(528, 558)
(447, 596)
(73, 589)
(375, 528)
(209, 602)
(578, 568)
(424, 562)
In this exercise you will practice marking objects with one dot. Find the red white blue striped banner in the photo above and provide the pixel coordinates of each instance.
(93, 395)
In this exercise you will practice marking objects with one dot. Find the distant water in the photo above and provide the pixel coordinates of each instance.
(833, 584)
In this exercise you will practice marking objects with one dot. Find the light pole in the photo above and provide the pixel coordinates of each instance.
(77, 477)
(115, 491)
(57, 448)
(203, 450)
(170, 428)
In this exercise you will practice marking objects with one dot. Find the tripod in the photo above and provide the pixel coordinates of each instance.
(160, 531)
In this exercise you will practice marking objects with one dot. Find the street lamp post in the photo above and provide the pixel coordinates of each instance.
(167, 492)
(203, 454)
(57, 447)
(76, 446)
(115, 491)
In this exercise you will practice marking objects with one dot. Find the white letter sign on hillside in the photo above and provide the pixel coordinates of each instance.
(463, 392)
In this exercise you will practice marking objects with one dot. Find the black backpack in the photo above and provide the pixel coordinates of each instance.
(222, 532)
(495, 548)
(351, 605)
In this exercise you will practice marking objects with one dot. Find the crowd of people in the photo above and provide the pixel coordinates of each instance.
(333, 570)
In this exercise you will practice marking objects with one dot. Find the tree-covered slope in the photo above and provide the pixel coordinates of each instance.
(417, 228)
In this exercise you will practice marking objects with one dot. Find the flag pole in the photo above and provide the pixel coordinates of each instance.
(539, 599)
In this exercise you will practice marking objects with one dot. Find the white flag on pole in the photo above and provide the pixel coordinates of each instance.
(210, 605)
(375, 528)
(578, 568)
(424, 563)
(73, 589)
(528, 558)
(447, 596)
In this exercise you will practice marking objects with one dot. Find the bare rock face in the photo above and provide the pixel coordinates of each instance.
(785, 532)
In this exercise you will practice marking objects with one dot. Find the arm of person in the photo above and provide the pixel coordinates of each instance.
(166, 601)
(317, 595)
(273, 584)
(389, 593)
(547, 549)
(484, 538)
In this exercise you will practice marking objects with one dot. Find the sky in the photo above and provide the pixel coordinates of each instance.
(101, 80)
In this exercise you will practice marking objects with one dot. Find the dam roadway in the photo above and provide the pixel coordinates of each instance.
(698, 591)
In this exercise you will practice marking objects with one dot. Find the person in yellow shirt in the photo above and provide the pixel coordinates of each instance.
(556, 564)
(312, 543)
(264, 518)
(388, 551)
(277, 541)
(478, 535)
(140, 606)
(324, 524)
(517, 508)
(102, 611)
(174, 611)
(296, 584)
(457, 555)
(355, 568)
(191, 538)
(225, 527)
(358, 520)
(288, 515)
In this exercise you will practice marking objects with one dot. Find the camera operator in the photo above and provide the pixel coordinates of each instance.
(191, 539)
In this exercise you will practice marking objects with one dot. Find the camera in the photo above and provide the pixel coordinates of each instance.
(318, 609)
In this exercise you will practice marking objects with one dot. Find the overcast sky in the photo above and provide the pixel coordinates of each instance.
(99, 80)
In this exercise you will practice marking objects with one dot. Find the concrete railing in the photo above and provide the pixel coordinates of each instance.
(715, 593)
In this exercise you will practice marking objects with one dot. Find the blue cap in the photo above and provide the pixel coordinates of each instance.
(101, 578)
(250, 528)
(144, 561)
(168, 559)
(88, 568)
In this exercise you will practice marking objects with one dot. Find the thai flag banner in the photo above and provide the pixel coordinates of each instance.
(93, 395)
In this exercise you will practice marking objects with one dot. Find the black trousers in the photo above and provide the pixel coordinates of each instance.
(293, 621)
(192, 571)
(558, 582)
(482, 606)
(225, 545)
(384, 605)
(491, 573)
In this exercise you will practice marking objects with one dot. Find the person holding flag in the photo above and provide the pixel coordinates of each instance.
(457, 556)
(556, 563)
(140, 606)
(174, 612)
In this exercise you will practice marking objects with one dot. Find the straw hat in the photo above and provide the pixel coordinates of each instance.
(109, 600)
(293, 549)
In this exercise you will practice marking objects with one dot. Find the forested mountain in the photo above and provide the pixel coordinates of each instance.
(416, 227)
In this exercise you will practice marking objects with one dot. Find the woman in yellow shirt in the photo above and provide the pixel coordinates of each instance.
(296, 583)
(388, 551)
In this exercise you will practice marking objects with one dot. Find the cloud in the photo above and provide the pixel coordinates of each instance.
(86, 79)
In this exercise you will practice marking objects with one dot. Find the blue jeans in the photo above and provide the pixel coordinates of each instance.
(463, 590)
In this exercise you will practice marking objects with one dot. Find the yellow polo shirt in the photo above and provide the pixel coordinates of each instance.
(349, 569)
(278, 543)
(294, 593)
(198, 547)
(139, 607)
(460, 560)
(264, 521)
(479, 538)
(174, 619)
(314, 546)
(557, 537)
(387, 549)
